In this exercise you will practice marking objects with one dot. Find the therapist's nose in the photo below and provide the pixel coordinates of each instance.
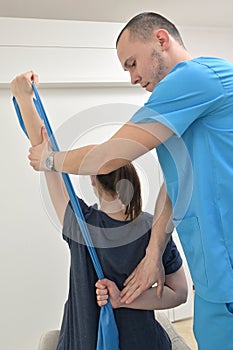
(135, 77)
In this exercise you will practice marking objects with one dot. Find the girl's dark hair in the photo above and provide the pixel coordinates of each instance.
(142, 26)
(125, 182)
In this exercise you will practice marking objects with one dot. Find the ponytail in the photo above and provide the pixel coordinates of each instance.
(124, 182)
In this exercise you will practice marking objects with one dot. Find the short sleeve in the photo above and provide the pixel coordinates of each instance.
(172, 260)
(70, 230)
(188, 92)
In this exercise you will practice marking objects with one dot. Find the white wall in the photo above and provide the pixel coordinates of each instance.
(78, 70)
(34, 259)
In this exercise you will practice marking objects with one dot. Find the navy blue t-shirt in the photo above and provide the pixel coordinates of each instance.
(120, 245)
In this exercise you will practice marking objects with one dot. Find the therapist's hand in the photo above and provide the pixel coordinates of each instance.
(148, 272)
(21, 86)
(39, 153)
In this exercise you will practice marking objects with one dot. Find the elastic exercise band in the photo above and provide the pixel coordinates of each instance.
(108, 338)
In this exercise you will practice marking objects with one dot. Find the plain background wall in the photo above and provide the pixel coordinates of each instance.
(82, 83)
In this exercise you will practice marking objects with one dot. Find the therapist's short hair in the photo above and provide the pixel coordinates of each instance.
(142, 26)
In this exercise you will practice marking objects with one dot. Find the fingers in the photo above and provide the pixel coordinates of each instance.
(101, 284)
(35, 164)
(135, 284)
(30, 76)
(36, 156)
(22, 84)
(102, 299)
(129, 279)
(131, 294)
(32, 160)
(101, 293)
(133, 289)
(132, 286)
(35, 78)
(38, 153)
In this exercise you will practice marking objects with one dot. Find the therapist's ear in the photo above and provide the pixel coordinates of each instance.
(163, 38)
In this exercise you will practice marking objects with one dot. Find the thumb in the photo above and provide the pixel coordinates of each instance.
(45, 139)
(105, 282)
(44, 134)
(159, 290)
(100, 284)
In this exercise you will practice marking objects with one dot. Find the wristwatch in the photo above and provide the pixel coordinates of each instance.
(49, 162)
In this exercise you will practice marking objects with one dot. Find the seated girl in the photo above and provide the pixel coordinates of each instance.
(120, 232)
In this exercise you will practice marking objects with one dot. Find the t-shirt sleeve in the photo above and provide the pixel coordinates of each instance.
(172, 260)
(188, 92)
(70, 230)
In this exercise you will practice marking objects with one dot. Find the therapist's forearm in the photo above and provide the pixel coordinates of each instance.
(128, 143)
(88, 160)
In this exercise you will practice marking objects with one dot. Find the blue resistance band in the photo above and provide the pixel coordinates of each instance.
(108, 337)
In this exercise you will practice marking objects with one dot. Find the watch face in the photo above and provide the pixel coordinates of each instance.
(49, 162)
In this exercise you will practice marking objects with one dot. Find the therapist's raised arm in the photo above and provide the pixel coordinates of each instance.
(129, 142)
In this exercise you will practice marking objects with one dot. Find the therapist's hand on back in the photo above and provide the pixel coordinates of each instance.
(148, 272)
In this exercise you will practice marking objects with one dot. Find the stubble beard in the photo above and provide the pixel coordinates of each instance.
(159, 67)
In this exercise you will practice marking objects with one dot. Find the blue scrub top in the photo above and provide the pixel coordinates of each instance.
(195, 100)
